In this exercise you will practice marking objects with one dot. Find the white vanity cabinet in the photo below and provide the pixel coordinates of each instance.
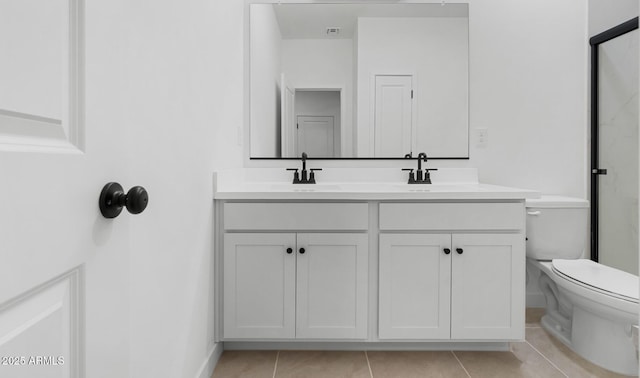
(259, 285)
(414, 287)
(487, 286)
(295, 285)
(376, 271)
(467, 283)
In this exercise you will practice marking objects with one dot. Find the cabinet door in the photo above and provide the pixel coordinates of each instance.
(488, 287)
(259, 286)
(415, 279)
(332, 278)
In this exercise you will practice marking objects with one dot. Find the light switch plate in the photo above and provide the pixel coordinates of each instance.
(482, 137)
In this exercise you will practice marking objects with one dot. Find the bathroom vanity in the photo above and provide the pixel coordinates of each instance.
(383, 262)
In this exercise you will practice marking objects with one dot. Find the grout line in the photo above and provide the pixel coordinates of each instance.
(461, 365)
(368, 363)
(275, 367)
(548, 360)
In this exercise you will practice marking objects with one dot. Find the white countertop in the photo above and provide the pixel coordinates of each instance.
(237, 187)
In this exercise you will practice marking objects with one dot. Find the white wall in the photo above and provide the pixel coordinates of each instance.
(433, 49)
(605, 14)
(528, 70)
(230, 147)
(528, 87)
(322, 63)
(265, 84)
(177, 84)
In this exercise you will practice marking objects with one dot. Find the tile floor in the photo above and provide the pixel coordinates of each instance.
(540, 356)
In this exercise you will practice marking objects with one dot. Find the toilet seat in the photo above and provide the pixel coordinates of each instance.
(599, 278)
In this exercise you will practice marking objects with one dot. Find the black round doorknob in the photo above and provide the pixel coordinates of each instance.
(289, 250)
(447, 251)
(459, 250)
(113, 199)
(301, 250)
(137, 200)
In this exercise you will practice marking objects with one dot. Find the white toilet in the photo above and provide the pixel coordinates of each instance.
(591, 308)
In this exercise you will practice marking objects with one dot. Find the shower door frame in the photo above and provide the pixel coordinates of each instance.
(595, 172)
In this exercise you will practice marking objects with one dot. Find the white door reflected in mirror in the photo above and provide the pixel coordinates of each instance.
(315, 136)
(393, 115)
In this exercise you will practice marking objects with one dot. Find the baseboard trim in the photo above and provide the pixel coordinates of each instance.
(209, 364)
(409, 346)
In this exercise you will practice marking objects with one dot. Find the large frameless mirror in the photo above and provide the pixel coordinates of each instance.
(358, 80)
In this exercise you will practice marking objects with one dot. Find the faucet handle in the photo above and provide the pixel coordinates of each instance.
(427, 175)
(296, 177)
(412, 178)
(312, 176)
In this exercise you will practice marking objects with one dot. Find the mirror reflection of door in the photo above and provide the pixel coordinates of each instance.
(618, 152)
(315, 136)
(317, 123)
(287, 119)
(393, 115)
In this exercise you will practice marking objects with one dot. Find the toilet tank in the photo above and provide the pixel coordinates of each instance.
(557, 227)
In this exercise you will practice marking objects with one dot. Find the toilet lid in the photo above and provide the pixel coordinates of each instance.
(600, 276)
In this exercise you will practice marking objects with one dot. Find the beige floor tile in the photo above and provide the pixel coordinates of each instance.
(522, 361)
(532, 316)
(564, 358)
(250, 364)
(415, 365)
(316, 364)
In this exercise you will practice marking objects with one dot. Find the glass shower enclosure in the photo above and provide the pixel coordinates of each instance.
(614, 147)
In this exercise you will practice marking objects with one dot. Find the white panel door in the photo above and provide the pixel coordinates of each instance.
(488, 286)
(259, 286)
(65, 270)
(414, 286)
(315, 136)
(332, 286)
(393, 116)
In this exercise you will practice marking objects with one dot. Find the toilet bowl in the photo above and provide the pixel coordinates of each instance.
(591, 308)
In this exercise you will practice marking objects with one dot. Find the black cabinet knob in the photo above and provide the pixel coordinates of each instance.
(113, 199)
(289, 250)
(301, 251)
(459, 250)
(447, 251)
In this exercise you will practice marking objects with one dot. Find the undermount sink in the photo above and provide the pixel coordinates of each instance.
(373, 187)
(413, 188)
(430, 187)
(305, 187)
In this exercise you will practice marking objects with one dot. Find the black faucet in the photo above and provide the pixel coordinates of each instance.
(419, 178)
(302, 178)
